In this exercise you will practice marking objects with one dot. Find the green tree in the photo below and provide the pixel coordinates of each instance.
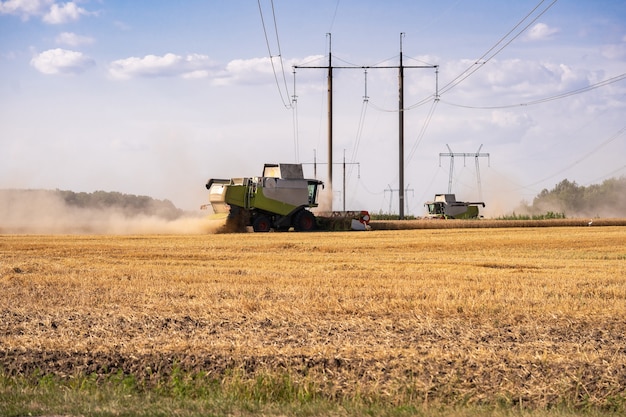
(600, 200)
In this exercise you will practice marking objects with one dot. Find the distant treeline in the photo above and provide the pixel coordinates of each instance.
(127, 204)
(130, 204)
(598, 200)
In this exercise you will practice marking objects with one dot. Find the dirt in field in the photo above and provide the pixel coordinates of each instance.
(534, 363)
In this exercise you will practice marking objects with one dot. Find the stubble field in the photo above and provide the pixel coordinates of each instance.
(526, 318)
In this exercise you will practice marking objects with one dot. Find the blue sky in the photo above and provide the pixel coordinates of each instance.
(155, 97)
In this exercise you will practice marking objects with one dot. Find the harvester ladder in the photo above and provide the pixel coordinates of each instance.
(251, 186)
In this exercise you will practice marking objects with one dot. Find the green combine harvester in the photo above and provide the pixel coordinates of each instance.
(280, 200)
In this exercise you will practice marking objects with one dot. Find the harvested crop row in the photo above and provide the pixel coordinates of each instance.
(531, 316)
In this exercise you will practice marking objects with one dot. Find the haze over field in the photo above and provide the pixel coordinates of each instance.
(68, 212)
(154, 98)
(52, 212)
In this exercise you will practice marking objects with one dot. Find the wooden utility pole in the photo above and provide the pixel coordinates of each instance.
(401, 109)
(401, 134)
(330, 121)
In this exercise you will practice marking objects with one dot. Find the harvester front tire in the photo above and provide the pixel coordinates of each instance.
(304, 221)
(261, 224)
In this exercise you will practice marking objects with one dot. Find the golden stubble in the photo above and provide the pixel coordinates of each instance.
(525, 310)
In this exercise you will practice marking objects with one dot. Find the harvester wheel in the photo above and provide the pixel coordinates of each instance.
(304, 221)
(261, 223)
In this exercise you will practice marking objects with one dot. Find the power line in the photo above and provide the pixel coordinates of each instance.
(579, 160)
(610, 174)
(280, 54)
(359, 133)
(296, 128)
(287, 102)
(489, 55)
(420, 136)
(546, 99)
(332, 22)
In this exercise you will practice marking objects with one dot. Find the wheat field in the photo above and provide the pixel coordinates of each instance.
(527, 317)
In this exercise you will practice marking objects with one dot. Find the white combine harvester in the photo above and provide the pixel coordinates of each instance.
(445, 206)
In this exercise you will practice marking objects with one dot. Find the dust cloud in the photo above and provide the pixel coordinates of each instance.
(325, 200)
(604, 210)
(46, 212)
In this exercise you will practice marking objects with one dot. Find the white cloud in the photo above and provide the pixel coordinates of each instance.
(514, 81)
(72, 39)
(540, 32)
(168, 65)
(61, 61)
(67, 12)
(24, 8)
(50, 11)
(256, 70)
(245, 71)
(196, 74)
